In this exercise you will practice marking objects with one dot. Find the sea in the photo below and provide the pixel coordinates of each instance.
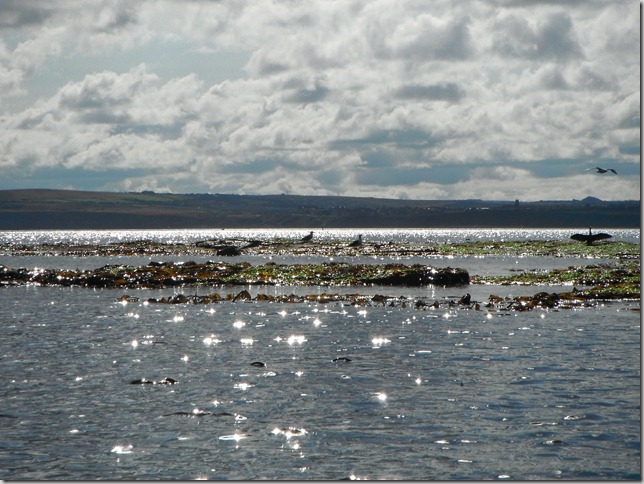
(100, 387)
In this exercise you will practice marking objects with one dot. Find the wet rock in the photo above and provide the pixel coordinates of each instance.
(252, 244)
(451, 277)
(242, 295)
(201, 413)
(541, 299)
(208, 244)
(228, 251)
(141, 381)
(164, 381)
(379, 299)
(167, 381)
(169, 274)
(194, 413)
(179, 299)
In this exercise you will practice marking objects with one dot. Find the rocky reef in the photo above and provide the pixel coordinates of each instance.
(541, 300)
(619, 278)
(171, 274)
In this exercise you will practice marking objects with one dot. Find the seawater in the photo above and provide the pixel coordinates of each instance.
(427, 236)
(427, 394)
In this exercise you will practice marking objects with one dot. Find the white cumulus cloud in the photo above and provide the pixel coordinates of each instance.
(493, 99)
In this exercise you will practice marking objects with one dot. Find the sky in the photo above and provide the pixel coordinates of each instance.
(404, 99)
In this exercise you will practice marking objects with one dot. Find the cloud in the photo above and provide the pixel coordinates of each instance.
(425, 38)
(552, 38)
(303, 93)
(439, 92)
(384, 98)
(18, 13)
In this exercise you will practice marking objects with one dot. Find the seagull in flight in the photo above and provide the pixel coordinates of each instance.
(604, 170)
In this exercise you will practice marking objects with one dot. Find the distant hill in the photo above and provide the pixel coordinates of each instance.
(69, 209)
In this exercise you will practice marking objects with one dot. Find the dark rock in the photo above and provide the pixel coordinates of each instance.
(245, 295)
(228, 251)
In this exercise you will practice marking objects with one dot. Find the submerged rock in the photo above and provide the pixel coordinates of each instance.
(164, 381)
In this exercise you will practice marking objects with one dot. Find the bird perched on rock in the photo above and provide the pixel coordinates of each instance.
(590, 237)
(604, 170)
(356, 242)
(307, 238)
(252, 243)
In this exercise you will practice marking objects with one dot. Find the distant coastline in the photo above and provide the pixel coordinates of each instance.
(34, 209)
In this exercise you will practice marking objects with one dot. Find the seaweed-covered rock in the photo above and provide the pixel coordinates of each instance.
(418, 275)
(228, 251)
(170, 274)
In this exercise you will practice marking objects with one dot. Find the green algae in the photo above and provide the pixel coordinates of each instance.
(168, 274)
(620, 279)
(555, 248)
(337, 248)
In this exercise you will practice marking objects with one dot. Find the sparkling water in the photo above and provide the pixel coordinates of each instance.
(344, 392)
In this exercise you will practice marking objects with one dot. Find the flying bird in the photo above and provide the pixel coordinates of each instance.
(307, 238)
(356, 242)
(589, 238)
(604, 170)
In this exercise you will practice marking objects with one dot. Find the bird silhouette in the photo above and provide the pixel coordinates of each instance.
(589, 238)
(252, 243)
(356, 242)
(307, 238)
(604, 170)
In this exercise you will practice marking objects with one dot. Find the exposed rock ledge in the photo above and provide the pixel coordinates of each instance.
(169, 274)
